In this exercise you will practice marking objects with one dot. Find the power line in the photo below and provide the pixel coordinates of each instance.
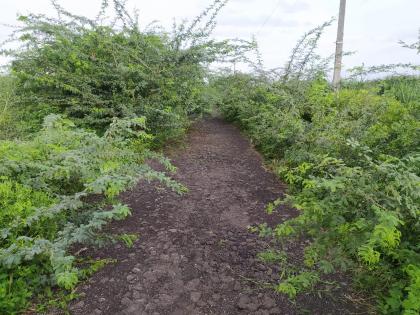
(269, 17)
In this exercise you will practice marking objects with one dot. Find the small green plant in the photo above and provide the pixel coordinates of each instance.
(272, 256)
(128, 239)
(60, 298)
(92, 266)
(8, 119)
(271, 206)
(297, 283)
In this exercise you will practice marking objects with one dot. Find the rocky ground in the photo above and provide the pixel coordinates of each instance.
(195, 254)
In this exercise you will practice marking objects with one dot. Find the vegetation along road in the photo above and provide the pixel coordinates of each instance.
(152, 171)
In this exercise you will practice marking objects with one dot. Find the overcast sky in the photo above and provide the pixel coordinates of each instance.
(372, 29)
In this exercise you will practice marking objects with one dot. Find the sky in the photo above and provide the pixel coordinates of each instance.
(372, 27)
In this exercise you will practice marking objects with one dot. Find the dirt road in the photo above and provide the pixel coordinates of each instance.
(194, 254)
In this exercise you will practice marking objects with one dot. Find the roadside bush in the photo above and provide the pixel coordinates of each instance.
(93, 70)
(74, 107)
(45, 184)
(8, 117)
(352, 165)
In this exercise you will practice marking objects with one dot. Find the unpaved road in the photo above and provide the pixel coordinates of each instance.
(195, 254)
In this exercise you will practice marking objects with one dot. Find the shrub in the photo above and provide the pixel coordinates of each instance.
(93, 70)
(44, 188)
(352, 164)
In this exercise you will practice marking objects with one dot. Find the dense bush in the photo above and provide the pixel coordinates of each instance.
(45, 185)
(93, 70)
(352, 163)
(74, 107)
(8, 117)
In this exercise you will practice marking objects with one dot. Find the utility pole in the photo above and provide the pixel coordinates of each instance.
(339, 45)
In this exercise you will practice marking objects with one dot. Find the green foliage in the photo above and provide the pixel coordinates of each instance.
(272, 206)
(352, 164)
(128, 239)
(95, 70)
(298, 283)
(272, 256)
(9, 126)
(59, 299)
(351, 159)
(74, 135)
(93, 265)
(44, 188)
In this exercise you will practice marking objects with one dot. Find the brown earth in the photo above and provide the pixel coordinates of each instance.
(195, 254)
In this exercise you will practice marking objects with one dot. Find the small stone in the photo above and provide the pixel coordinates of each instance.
(138, 286)
(253, 306)
(125, 301)
(214, 278)
(164, 257)
(165, 299)
(141, 301)
(243, 302)
(227, 279)
(216, 296)
(131, 277)
(178, 283)
(103, 280)
(136, 295)
(133, 309)
(150, 307)
(173, 230)
(136, 270)
(150, 276)
(275, 311)
(79, 304)
(192, 284)
(212, 303)
(201, 303)
(237, 286)
(97, 312)
(195, 296)
(268, 302)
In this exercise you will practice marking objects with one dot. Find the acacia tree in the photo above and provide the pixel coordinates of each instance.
(96, 69)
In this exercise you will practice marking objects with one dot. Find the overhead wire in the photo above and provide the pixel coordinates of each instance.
(269, 17)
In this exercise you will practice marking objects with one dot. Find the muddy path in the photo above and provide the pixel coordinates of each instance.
(194, 254)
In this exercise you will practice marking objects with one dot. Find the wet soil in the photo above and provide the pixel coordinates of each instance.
(195, 254)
